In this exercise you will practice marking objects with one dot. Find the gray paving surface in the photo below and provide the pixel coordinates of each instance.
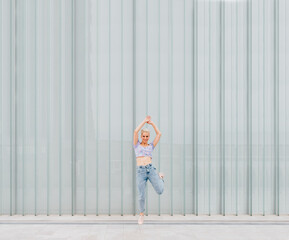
(155, 227)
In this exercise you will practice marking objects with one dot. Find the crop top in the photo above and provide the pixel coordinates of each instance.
(141, 151)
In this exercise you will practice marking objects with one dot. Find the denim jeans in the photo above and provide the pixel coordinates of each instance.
(144, 173)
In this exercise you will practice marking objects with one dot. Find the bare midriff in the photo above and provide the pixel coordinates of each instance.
(142, 161)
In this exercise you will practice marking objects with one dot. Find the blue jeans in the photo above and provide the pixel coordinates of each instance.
(144, 173)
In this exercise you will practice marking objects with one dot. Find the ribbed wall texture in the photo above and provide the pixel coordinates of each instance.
(77, 77)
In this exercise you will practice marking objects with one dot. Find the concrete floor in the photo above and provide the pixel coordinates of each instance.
(155, 227)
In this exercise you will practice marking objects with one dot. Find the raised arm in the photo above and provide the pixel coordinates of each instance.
(135, 135)
(158, 132)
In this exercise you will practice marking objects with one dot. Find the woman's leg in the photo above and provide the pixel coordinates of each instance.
(156, 181)
(141, 181)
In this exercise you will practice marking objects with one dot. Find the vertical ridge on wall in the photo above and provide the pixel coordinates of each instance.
(146, 99)
(48, 112)
(35, 114)
(193, 107)
(85, 104)
(97, 109)
(231, 120)
(184, 150)
(146, 79)
(223, 119)
(286, 121)
(24, 106)
(237, 126)
(222, 110)
(50, 77)
(168, 82)
(171, 102)
(62, 81)
(73, 111)
(264, 78)
(196, 110)
(249, 104)
(60, 107)
(109, 107)
(134, 101)
(259, 125)
(159, 100)
(205, 69)
(16, 112)
(210, 93)
(1, 120)
(276, 103)
(12, 27)
(121, 211)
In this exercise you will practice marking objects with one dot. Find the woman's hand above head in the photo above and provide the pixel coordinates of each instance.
(147, 119)
(150, 122)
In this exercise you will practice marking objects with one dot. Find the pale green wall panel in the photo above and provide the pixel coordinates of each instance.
(76, 78)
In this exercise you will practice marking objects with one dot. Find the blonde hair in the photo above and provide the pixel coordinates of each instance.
(145, 130)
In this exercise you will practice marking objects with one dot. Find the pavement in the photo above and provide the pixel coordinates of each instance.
(167, 227)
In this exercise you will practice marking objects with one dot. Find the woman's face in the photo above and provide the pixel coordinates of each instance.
(145, 137)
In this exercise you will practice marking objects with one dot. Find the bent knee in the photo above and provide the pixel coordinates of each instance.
(160, 191)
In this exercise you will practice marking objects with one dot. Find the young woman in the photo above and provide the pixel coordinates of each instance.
(144, 169)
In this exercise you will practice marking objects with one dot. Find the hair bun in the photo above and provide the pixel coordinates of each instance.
(145, 130)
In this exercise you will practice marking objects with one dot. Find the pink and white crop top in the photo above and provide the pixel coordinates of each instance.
(141, 151)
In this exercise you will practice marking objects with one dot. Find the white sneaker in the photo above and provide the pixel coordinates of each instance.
(161, 175)
(141, 219)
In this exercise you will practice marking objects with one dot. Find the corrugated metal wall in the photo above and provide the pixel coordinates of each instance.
(78, 76)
